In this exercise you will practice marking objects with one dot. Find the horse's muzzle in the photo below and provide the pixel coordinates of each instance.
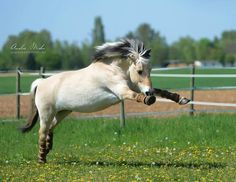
(150, 98)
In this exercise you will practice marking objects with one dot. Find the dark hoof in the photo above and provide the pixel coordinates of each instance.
(149, 100)
(183, 101)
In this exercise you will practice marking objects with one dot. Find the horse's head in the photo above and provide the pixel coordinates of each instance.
(139, 71)
(133, 56)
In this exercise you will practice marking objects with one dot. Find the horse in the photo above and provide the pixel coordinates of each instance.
(119, 70)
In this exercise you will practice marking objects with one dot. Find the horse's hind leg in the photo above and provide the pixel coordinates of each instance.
(46, 116)
(43, 132)
(49, 140)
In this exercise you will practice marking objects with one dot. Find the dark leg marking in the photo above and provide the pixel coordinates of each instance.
(49, 142)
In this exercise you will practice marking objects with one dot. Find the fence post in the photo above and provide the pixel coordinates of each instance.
(122, 114)
(192, 85)
(18, 90)
(42, 71)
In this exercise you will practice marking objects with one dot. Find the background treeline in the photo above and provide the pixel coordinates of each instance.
(30, 49)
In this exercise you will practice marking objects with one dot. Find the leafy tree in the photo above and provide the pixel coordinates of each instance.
(228, 44)
(130, 35)
(145, 33)
(98, 32)
(17, 48)
(86, 53)
(183, 50)
(159, 50)
(74, 57)
(31, 62)
(203, 48)
(230, 58)
(69, 55)
(63, 55)
(51, 60)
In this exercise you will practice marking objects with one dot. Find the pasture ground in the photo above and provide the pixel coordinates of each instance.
(200, 148)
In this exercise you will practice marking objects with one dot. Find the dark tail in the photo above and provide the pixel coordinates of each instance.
(33, 117)
(31, 122)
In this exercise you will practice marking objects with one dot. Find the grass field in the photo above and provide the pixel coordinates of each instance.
(201, 148)
(7, 83)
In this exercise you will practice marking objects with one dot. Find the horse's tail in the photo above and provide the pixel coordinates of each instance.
(33, 116)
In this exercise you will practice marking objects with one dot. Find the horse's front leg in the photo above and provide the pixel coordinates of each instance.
(139, 97)
(169, 95)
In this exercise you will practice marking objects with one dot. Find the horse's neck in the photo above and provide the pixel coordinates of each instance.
(123, 65)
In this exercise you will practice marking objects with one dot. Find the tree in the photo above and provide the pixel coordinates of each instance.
(145, 33)
(31, 62)
(28, 42)
(130, 35)
(184, 50)
(55, 55)
(228, 44)
(98, 32)
(86, 53)
(51, 60)
(203, 48)
(230, 59)
(159, 50)
(70, 55)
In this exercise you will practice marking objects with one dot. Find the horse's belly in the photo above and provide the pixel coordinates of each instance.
(96, 104)
(86, 102)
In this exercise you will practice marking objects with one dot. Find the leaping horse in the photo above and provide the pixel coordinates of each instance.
(119, 71)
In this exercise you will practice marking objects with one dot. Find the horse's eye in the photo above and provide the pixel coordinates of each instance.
(140, 72)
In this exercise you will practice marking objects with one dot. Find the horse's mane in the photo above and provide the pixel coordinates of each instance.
(121, 49)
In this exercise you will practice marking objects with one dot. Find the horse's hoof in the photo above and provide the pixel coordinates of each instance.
(149, 100)
(42, 161)
(183, 101)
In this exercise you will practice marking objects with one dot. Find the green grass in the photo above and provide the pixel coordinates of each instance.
(7, 83)
(183, 148)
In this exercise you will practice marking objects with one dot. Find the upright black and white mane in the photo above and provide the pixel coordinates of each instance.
(121, 49)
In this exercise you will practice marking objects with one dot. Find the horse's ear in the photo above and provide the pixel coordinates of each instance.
(147, 54)
(149, 51)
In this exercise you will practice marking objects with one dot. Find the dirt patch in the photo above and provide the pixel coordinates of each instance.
(8, 105)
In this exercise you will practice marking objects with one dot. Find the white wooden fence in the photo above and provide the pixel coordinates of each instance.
(122, 107)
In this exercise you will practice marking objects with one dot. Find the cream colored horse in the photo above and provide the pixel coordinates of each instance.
(120, 70)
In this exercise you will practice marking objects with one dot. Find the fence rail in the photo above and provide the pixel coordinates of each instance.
(195, 75)
(220, 104)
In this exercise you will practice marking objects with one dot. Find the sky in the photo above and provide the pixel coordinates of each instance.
(73, 20)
